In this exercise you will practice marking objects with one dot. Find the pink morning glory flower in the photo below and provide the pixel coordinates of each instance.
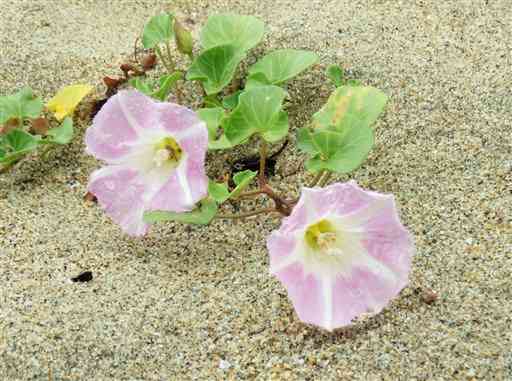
(155, 154)
(341, 253)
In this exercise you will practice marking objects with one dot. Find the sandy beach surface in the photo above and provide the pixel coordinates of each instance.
(189, 302)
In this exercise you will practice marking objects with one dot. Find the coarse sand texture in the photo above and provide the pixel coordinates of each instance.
(194, 302)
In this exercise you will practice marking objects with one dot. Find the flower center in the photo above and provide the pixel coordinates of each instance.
(167, 151)
(323, 238)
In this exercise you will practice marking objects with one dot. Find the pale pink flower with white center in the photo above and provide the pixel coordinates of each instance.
(155, 154)
(341, 253)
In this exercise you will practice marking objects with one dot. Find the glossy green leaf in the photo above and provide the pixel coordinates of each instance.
(336, 75)
(259, 111)
(202, 215)
(21, 105)
(282, 65)
(62, 134)
(243, 32)
(341, 152)
(350, 107)
(159, 29)
(215, 67)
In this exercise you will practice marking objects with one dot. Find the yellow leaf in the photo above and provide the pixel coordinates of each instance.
(66, 100)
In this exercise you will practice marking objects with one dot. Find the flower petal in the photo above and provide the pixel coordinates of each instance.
(359, 272)
(121, 193)
(305, 292)
(119, 124)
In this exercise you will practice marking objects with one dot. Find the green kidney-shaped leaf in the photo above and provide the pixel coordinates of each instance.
(21, 105)
(351, 106)
(62, 134)
(259, 111)
(336, 151)
(202, 215)
(282, 65)
(243, 32)
(158, 29)
(215, 67)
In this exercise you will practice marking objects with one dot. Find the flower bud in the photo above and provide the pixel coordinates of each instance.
(183, 38)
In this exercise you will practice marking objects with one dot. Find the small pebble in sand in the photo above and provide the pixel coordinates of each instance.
(429, 296)
(223, 364)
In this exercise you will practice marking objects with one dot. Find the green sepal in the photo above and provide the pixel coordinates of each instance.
(201, 215)
(215, 67)
(159, 29)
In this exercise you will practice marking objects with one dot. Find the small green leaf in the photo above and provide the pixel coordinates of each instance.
(349, 107)
(215, 67)
(62, 134)
(336, 75)
(259, 111)
(242, 180)
(341, 152)
(243, 32)
(219, 192)
(231, 101)
(202, 215)
(143, 85)
(166, 84)
(282, 65)
(21, 105)
(159, 29)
